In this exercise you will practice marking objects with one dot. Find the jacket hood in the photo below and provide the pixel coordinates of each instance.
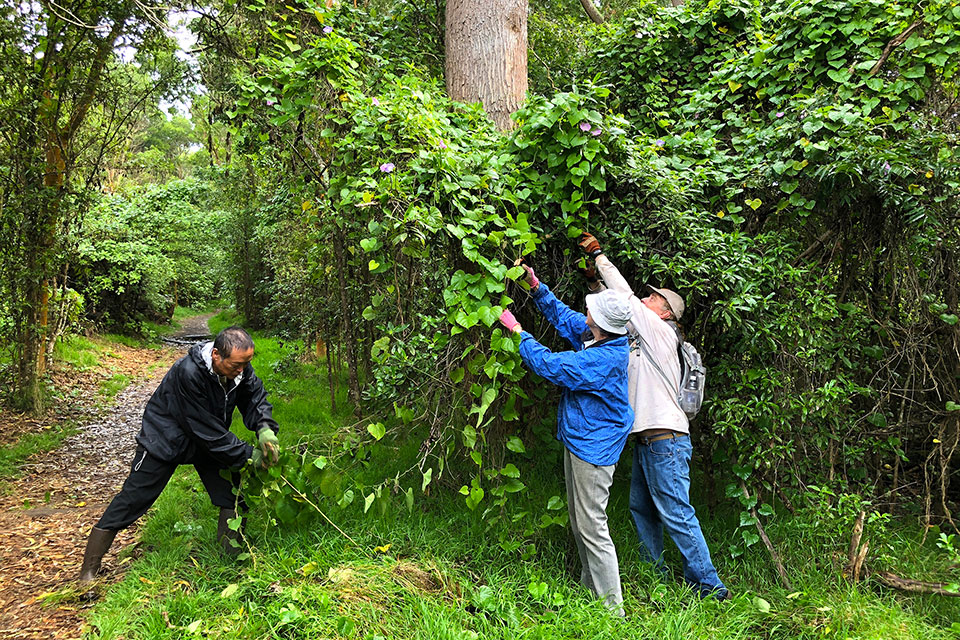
(201, 356)
(196, 355)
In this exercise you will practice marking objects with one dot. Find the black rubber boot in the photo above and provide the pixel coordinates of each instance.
(225, 535)
(97, 545)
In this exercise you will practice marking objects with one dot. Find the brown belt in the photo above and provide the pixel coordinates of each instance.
(647, 440)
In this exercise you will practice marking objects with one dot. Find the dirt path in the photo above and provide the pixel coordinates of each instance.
(46, 515)
(193, 326)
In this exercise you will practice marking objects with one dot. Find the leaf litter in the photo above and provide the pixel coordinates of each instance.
(47, 512)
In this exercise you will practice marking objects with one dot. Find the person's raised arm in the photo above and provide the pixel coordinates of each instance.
(610, 274)
(589, 273)
(564, 369)
(570, 324)
(567, 322)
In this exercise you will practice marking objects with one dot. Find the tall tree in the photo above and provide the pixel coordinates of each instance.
(486, 55)
(56, 64)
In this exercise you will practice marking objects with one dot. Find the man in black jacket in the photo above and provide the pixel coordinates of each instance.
(187, 421)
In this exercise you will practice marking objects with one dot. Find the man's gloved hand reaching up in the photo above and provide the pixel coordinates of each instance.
(590, 245)
(589, 273)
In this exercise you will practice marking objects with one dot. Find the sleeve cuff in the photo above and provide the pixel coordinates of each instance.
(540, 291)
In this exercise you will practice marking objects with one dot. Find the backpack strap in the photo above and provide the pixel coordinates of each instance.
(639, 340)
(676, 329)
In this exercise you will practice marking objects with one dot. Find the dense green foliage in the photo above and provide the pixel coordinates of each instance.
(436, 572)
(790, 167)
(767, 159)
(138, 257)
(72, 85)
(822, 239)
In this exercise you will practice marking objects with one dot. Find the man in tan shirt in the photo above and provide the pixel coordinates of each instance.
(660, 481)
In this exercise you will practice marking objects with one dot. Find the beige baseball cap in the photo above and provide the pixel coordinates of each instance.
(673, 299)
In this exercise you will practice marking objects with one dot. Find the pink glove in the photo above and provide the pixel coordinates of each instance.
(531, 277)
(508, 321)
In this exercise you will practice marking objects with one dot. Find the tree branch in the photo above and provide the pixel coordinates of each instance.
(914, 586)
(855, 541)
(781, 570)
(893, 44)
(591, 10)
(809, 251)
(104, 48)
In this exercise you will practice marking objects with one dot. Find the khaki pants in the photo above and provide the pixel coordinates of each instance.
(588, 489)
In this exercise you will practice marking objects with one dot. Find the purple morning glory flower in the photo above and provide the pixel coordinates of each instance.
(596, 132)
(270, 103)
(780, 114)
(886, 168)
(442, 144)
(376, 102)
(584, 126)
(328, 29)
(658, 142)
(387, 167)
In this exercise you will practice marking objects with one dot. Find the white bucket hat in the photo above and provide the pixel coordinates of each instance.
(610, 310)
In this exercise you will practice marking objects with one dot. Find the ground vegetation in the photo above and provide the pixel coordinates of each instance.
(790, 167)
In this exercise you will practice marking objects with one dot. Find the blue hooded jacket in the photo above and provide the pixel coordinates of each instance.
(594, 418)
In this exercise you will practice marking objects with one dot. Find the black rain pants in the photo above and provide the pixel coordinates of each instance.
(148, 477)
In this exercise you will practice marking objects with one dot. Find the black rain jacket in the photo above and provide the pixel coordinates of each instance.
(190, 412)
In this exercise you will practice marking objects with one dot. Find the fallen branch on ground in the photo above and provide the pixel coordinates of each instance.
(915, 586)
(857, 554)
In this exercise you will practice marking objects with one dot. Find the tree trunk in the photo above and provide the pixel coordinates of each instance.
(349, 341)
(28, 374)
(41, 233)
(486, 51)
(210, 148)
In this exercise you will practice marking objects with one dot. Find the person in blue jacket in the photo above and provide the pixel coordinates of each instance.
(593, 420)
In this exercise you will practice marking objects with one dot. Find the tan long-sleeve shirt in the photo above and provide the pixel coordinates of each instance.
(654, 405)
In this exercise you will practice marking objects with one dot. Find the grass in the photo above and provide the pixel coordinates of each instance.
(438, 572)
(224, 319)
(13, 456)
(113, 385)
(78, 352)
(81, 355)
(180, 313)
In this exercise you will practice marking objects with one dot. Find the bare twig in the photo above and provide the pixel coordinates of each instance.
(72, 19)
(317, 509)
(546, 68)
(781, 570)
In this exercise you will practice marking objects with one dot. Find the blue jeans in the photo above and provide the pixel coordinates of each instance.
(660, 499)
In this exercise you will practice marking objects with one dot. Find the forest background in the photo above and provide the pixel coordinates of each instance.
(790, 167)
